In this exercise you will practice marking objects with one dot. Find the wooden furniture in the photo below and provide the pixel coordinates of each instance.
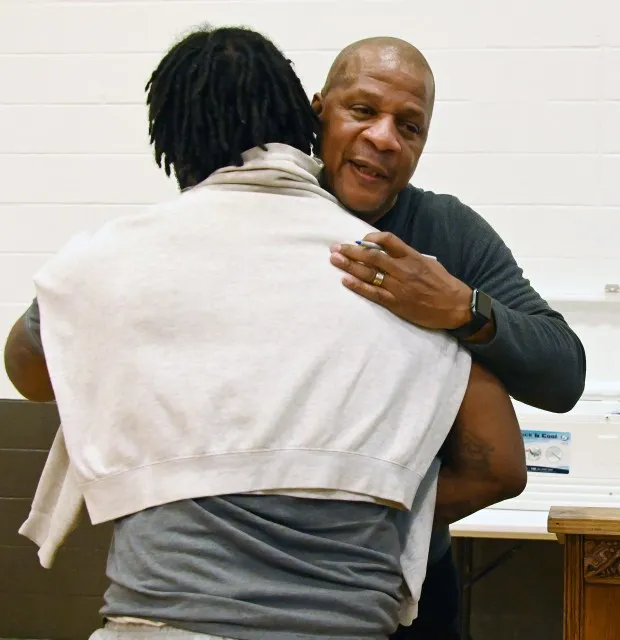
(591, 570)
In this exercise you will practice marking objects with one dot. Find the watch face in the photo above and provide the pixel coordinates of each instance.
(484, 305)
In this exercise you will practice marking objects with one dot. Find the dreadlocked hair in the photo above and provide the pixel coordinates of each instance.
(220, 92)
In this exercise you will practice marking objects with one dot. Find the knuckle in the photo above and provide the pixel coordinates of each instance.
(411, 270)
(358, 270)
(375, 255)
(369, 274)
(368, 291)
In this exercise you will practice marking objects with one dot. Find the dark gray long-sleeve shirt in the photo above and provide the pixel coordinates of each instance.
(537, 356)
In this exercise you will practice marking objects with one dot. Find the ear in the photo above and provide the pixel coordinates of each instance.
(317, 103)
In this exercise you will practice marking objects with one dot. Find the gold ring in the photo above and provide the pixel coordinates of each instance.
(378, 279)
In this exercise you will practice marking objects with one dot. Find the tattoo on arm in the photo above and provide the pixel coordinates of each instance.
(469, 452)
(462, 488)
(484, 462)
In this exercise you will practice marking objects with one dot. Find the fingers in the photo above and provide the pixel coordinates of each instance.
(346, 254)
(359, 271)
(394, 246)
(378, 295)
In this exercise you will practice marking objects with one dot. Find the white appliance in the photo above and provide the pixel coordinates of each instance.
(573, 459)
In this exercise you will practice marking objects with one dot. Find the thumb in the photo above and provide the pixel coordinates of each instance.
(392, 245)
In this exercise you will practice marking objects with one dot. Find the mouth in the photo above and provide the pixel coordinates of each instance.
(369, 172)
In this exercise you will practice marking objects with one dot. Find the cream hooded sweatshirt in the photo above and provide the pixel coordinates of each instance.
(208, 347)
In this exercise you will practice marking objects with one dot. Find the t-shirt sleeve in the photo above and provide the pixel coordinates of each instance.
(32, 323)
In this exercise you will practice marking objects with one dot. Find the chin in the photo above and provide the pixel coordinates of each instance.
(363, 209)
(363, 214)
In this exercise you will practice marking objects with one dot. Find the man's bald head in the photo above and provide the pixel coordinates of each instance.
(375, 109)
(350, 62)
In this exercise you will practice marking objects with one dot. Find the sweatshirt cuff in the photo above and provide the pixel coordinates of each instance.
(37, 529)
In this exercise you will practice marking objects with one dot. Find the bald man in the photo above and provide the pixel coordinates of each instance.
(376, 109)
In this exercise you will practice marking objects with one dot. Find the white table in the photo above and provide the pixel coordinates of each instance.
(504, 523)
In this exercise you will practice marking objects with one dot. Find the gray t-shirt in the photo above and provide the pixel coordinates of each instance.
(249, 566)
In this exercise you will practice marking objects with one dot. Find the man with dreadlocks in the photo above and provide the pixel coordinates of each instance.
(217, 94)
(264, 440)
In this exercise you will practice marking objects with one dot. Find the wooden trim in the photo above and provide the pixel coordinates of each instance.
(573, 588)
(594, 521)
(602, 560)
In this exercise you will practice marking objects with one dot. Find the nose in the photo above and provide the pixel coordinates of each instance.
(383, 134)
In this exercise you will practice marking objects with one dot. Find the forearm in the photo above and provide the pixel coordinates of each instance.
(25, 365)
(479, 470)
(483, 459)
(532, 350)
(536, 355)
(538, 358)
(460, 495)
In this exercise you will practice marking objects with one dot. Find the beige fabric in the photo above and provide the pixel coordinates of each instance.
(169, 334)
(57, 506)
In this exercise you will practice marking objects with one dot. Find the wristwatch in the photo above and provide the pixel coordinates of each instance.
(481, 310)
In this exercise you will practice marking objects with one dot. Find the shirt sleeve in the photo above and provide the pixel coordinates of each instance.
(32, 323)
(537, 356)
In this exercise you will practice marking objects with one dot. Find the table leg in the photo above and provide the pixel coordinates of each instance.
(465, 570)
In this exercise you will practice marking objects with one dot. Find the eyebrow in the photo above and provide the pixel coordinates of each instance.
(409, 110)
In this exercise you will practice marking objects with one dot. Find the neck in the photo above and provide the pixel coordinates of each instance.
(375, 216)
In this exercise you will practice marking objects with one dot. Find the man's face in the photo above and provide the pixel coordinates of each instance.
(375, 126)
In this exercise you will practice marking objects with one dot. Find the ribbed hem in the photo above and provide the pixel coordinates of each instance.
(228, 473)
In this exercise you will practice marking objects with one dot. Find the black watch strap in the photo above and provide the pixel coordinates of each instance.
(481, 310)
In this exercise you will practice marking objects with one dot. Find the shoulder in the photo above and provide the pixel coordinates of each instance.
(85, 254)
(448, 210)
(441, 225)
(61, 264)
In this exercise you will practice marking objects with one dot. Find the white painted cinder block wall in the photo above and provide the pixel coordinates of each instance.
(526, 129)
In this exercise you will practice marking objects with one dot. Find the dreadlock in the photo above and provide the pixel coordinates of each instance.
(220, 92)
